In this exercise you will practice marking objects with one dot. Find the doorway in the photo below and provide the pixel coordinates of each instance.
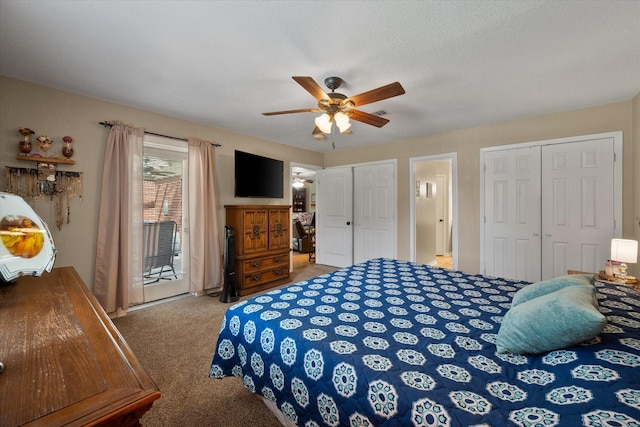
(303, 202)
(433, 210)
(165, 236)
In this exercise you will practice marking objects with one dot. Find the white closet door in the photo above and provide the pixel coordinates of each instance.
(374, 212)
(512, 213)
(577, 206)
(334, 236)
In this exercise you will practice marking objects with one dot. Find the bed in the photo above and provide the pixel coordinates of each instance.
(395, 343)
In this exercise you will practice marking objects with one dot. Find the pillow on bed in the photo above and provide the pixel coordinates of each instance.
(549, 322)
(537, 289)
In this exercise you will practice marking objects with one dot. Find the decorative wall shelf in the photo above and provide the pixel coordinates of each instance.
(45, 159)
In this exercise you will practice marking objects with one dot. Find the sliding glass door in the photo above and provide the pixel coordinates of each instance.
(166, 231)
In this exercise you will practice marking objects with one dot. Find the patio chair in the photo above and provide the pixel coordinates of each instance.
(159, 250)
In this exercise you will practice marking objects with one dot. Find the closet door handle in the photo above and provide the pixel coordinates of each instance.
(547, 234)
(536, 234)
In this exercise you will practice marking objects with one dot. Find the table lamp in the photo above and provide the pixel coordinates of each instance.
(27, 248)
(624, 251)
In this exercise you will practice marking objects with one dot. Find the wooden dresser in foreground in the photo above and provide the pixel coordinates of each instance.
(65, 363)
(262, 245)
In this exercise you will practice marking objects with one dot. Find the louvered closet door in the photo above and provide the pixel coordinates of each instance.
(512, 213)
(577, 206)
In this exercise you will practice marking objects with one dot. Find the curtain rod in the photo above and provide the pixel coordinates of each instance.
(108, 125)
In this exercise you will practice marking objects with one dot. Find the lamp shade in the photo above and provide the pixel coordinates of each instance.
(624, 250)
(324, 123)
(27, 246)
(342, 121)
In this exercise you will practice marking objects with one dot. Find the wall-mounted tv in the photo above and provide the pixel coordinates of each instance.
(257, 176)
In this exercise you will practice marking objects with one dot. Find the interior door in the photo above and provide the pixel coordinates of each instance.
(577, 206)
(374, 212)
(334, 217)
(512, 213)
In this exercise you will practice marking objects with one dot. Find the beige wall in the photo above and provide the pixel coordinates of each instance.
(56, 113)
(467, 143)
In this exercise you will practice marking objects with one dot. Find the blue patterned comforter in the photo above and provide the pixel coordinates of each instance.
(393, 343)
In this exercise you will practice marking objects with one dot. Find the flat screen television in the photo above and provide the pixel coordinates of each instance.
(257, 176)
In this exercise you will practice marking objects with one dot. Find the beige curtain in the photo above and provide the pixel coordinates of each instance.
(205, 269)
(117, 280)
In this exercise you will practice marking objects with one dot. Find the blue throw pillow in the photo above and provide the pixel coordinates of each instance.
(544, 287)
(549, 322)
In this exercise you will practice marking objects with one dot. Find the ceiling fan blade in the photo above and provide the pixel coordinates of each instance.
(312, 87)
(370, 119)
(384, 92)
(304, 110)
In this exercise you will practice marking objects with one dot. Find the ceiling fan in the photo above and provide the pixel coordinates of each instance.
(156, 169)
(299, 182)
(338, 108)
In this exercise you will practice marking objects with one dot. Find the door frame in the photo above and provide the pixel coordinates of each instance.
(617, 176)
(453, 195)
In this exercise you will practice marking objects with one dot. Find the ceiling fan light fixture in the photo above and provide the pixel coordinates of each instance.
(342, 121)
(324, 123)
(297, 184)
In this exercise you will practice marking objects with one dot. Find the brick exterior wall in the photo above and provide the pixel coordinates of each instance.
(159, 192)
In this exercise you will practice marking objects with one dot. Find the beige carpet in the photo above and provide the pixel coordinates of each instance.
(175, 342)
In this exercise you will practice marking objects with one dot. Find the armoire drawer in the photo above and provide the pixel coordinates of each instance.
(265, 276)
(262, 263)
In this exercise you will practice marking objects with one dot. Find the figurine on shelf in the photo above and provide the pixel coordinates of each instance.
(25, 144)
(67, 146)
(44, 142)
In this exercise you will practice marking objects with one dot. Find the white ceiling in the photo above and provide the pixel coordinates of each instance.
(223, 63)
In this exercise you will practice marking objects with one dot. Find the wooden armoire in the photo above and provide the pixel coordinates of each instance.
(262, 245)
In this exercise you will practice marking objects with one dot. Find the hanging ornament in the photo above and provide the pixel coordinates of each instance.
(25, 144)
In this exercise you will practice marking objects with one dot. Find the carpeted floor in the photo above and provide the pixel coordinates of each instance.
(175, 342)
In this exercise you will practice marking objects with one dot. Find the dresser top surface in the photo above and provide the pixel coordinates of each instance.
(65, 362)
